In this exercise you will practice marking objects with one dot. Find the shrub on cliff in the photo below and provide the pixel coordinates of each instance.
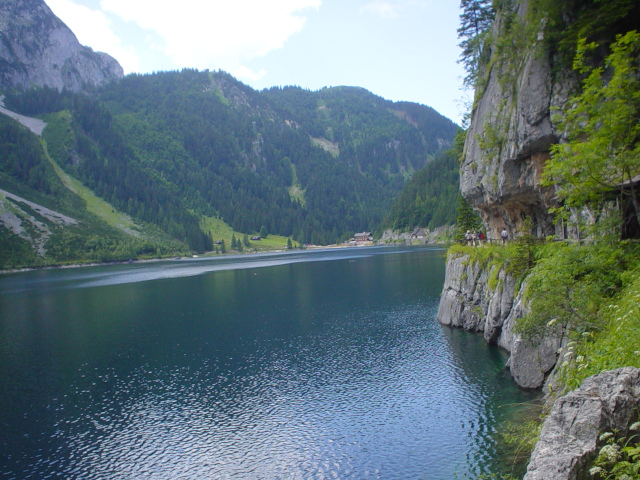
(601, 160)
(615, 344)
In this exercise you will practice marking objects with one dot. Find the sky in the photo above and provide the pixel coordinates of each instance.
(401, 50)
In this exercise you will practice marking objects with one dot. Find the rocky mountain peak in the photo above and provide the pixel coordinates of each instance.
(37, 48)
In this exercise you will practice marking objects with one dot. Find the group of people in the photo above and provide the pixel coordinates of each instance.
(472, 237)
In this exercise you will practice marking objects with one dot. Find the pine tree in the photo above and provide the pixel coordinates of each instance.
(475, 20)
(234, 245)
(467, 219)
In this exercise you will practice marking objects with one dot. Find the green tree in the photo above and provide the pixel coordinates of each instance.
(223, 248)
(264, 233)
(289, 244)
(475, 20)
(234, 244)
(467, 219)
(245, 241)
(602, 156)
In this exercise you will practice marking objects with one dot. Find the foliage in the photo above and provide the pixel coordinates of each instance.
(475, 20)
(615, 344)
(458, 143)
(429, 198)
(602, 156)
(619, 458)
(523, 247)
(467, 219)
(566, 22)
(522, 436)
(492, 258)
(568, 285)
(22, 157)
(86, 144)
(16, 252)
(26, 170)
(172, 147)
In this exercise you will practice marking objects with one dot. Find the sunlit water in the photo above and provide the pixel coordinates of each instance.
(304, 365)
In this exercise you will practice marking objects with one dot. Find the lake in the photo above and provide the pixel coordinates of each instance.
(294, 365)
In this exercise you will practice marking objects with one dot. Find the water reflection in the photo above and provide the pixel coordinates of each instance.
(303, 369)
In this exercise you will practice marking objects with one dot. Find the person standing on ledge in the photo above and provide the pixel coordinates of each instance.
(503, 235)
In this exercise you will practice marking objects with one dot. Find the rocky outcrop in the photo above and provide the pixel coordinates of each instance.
(509, 137)
(438, 235)
(569, 440)
(485, 300)
(38, 49)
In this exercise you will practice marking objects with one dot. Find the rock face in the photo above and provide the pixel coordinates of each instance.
(509, 137)
(570, 436)
(485, 301)
(435, 236)
(37, 48)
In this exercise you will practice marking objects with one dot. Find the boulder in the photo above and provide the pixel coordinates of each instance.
(569, 440)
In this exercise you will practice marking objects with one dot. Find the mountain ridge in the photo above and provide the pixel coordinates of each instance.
(38, 49)
(180, 151)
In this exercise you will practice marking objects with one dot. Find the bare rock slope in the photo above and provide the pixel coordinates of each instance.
(38, 49)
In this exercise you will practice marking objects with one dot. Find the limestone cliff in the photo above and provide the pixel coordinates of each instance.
(524, 76)
(510, 133)
(37, 48)
(570, 438)
(485, 301)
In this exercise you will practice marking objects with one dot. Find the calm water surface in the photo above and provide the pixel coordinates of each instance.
(324, 364)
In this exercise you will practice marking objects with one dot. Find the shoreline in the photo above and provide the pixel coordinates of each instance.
(204, 255)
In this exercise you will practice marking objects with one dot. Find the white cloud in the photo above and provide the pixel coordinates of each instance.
(385, 9)
(212, 34)
(381, 9)
(93, 28)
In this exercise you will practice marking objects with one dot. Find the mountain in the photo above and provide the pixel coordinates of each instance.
(429, 198)
(38, 49)
(177, 153)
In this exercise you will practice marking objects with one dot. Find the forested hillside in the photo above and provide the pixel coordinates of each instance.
(430, 198)
(173, 149)
(46, 223)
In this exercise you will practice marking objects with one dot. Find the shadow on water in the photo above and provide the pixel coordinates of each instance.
(485, 366)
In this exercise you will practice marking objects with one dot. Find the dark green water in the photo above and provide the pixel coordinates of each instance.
(286, 366)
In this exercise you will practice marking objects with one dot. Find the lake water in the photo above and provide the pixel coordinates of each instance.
(319, 364)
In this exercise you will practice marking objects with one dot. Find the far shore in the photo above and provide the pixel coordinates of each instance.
(181, 257)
